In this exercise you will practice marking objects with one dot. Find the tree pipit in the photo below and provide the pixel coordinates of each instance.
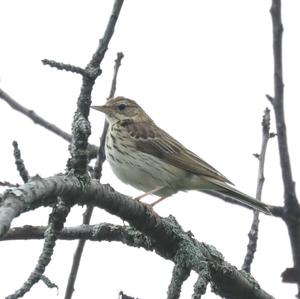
(146, 157)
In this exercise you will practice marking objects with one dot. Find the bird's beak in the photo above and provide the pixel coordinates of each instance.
(105, 109)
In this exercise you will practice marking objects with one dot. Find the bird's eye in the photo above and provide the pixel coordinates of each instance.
(121, 107)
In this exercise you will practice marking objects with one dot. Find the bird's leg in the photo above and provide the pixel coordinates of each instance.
(138, 198)
(159, 200)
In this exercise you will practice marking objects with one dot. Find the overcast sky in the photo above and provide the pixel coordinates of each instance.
(201, 70)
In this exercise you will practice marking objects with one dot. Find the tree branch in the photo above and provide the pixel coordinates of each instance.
(20, 163)
(87, 215)
(64, 67)
(170, 240)
(42, 122)
(81, 126)
(8, 184)
(97, 172)
(291, 205)
(101, 152)
(179, 275)
(253, 234)
(200, 285)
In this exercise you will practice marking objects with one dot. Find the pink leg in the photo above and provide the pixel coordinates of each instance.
(148, 193)
(159, 200)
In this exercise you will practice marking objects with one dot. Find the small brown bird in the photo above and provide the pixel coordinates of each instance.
(144, 156)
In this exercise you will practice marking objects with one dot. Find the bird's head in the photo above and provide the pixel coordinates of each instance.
(120, 109)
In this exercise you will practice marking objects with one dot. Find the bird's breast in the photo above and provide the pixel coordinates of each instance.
(140, 170)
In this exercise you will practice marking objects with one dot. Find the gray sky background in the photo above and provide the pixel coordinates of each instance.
(201, 69)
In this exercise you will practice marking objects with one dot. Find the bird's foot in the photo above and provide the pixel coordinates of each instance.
(153, 213)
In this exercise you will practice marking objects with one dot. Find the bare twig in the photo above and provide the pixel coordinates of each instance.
(97, 175)
(48, 282)
(253, 234)
(20, 163)
(77, 255)
(33, 116)
(113, 87)
(65, 67)
(42, 122)
(8, 184)
(101, 152)
(291, 205)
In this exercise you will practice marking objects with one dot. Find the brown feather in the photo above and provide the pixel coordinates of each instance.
(154, 141)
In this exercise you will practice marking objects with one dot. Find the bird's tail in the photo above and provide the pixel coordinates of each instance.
(241, 197)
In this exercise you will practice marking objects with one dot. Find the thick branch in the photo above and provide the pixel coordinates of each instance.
(171, 241)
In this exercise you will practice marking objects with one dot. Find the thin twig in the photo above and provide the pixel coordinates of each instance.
(97, 175)
(48, 282)
(101, 152)
(77, 256)
(42, 122)
(33, 116)
(20, 163)
(291, 204)
(113, 87)
(253, 233)
(64, 66)
(8, 184)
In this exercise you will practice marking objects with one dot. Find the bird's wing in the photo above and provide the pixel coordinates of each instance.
(154, 141)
